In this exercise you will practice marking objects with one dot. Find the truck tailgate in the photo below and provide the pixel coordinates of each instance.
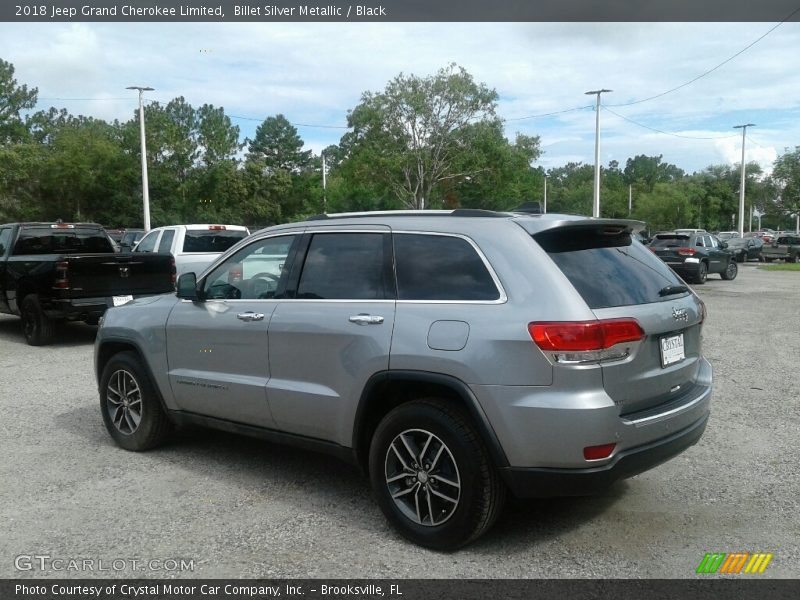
(102, 275)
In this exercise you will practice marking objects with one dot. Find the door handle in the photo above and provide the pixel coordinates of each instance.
(366, 319)
(250, 316)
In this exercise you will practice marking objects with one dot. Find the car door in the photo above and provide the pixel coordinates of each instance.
(333, 334)
(718, 258)
(217, 347)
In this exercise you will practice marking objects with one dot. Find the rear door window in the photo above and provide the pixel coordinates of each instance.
(440, 267)
(165, 245)
(346, 266)
(608, 268)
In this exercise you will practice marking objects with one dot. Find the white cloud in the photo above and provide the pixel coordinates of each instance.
(314, 72)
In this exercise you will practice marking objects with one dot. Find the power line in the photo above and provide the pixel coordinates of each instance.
(724, 62)
(678, 135)
(558, 112)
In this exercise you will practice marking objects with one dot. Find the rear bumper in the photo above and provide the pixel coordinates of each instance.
(543, 482)
(81, 309)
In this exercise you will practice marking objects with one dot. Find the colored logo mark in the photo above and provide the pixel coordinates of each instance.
(735, 562)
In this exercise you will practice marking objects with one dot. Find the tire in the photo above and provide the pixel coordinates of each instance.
(702, 274)
(731, 271)
(455, 496)
(38, 328)
(131, 406)
(767, 259)
(742, 257)
(792, 258)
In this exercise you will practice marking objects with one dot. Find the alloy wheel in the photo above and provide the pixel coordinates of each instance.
(422, 477)
(124, 401)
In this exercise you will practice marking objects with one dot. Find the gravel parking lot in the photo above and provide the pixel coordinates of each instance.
(244, 508)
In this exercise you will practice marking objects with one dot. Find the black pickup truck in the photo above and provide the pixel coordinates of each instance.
(52, 272)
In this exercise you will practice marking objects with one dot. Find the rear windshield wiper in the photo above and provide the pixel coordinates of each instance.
(673, 289)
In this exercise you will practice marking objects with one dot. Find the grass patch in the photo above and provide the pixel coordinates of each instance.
(781, 267)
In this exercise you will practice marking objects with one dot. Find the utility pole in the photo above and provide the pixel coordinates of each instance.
(544, 211)
(630, 199)
(596, 201)
(741, 185)
(324, 186)
(145, 188)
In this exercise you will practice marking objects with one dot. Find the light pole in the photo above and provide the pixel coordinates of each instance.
(324, 185)
(741, 185)
(145, 190)
(596, 202)
(544, 211)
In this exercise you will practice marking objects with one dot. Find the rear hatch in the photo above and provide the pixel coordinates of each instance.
(672, 248)
(620, 279)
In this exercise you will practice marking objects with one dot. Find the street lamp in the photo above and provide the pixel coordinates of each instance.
(596, 201)
(145, 190)
(741, 185)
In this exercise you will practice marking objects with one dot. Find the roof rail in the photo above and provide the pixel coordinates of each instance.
(458, 212)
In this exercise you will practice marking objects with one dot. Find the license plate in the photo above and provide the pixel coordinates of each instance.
(120, 300)
(672, 350)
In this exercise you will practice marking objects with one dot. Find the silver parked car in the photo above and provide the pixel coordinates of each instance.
(455, 355)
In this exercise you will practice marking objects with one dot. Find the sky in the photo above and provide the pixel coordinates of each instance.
(313, 73)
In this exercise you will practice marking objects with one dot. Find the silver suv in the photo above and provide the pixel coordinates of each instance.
(454, 355)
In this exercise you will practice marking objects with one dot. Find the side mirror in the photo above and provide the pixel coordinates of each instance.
(723, 245)
(187, 287)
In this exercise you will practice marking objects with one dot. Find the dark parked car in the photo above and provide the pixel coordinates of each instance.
(786, 247)
(694, 255)
(130, 238)
(745, 249)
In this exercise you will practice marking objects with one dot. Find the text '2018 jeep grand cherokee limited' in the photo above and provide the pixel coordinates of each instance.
(455, 355)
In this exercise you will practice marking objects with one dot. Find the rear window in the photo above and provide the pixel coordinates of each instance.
(789, 240)
(670, 241)
(202, 240)
(47, 240)
(608, 269)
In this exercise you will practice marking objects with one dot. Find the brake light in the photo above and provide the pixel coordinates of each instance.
(173, 272)
(584, 336)
(62, 226)
(687, 251)
(62, 276)
(598, 452)
(216, 227)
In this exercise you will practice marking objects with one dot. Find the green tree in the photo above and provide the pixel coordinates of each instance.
(14, 98)
(786, 178)
(277, 145)
(411, 137)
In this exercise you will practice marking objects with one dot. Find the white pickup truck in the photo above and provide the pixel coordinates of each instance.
(193, 246)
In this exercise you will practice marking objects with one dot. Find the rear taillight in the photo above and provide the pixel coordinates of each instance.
(586, 341)
(173, 271)
(687, 251)
(62, 276)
